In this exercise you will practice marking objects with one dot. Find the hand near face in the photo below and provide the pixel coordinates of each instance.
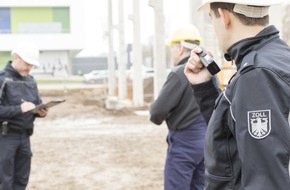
(194, 70)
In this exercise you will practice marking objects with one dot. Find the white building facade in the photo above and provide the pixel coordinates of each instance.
(55, 26)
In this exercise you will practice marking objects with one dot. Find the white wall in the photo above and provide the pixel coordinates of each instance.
(54, 62)
(72, 41)
(277, 13)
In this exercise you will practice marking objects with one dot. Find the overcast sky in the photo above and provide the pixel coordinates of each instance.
(96, 12)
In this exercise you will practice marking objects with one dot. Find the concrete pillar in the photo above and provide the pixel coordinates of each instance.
(138, 91)
(122, 64)
(159, 62)
(111, 100)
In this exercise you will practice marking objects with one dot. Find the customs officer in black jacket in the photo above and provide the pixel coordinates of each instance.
(19, 94)
(248, 136)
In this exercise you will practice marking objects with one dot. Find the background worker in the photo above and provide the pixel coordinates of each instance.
(248, 136)
(184, 167)
(18, 94)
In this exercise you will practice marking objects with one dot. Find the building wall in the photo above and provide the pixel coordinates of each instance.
(56, 26)
(55, 63)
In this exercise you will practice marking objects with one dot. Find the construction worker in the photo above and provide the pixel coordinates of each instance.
(18, 94)
(248, 136)
(186, 120)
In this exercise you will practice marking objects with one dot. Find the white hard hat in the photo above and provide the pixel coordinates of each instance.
(186, 32)
(28, 52)
(249, 8)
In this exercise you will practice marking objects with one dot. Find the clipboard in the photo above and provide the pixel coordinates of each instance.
(46, 105)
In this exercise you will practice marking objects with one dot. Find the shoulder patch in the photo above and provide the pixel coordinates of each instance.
(259, 123)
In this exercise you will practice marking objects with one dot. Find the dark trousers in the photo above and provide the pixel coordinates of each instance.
(184, 167)
(15, 161)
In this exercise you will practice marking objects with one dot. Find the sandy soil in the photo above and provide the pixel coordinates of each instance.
(82, 146)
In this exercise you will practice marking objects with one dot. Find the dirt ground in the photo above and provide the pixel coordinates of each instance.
(82, 146)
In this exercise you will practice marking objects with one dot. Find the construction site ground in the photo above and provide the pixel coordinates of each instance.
(81, 145)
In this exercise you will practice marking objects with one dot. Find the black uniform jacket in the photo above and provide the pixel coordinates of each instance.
(15, 89)
(177, 105)
(248, 136)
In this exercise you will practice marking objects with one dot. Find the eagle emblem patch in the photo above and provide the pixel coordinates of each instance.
(259, 123)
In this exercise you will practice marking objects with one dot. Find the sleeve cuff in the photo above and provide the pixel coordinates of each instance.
(203, 86)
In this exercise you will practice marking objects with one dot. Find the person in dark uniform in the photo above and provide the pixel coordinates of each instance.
(186, 117)
(248, 136)
(18, 94)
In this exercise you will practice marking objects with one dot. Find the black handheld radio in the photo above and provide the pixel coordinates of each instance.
(206, 60)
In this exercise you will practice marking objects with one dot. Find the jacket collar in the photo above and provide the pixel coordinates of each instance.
(12, 71)
(243, 47)
(183, 61)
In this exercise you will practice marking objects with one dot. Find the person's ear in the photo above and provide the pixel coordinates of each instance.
(225, 17)
(181, 49)
(15, 56)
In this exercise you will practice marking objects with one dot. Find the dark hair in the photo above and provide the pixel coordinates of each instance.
(245, 20)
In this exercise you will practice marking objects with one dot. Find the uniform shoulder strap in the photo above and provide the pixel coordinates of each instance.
(6, 79)
(248, 63)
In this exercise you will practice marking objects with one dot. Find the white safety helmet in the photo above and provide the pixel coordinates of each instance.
(28, 52)
(249, 8)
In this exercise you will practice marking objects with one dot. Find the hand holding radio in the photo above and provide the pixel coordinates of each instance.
(205, 59)
(208, 62)
(194, 68)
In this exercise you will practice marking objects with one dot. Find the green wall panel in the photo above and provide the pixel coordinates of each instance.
(62, 15)
(4, 58)
(29, 14)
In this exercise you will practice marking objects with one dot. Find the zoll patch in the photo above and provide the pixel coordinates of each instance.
(259, 123)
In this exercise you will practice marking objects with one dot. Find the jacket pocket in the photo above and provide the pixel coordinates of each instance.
(169, 140)
(217, 182)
